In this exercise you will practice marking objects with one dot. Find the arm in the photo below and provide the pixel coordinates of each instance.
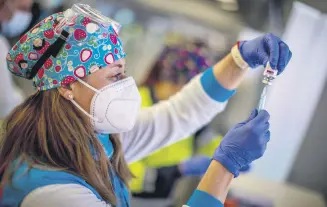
(247, 141)
(213, 188)
(195, 106)
(228, 73)
(221, 179)
(243, 144)
(169, 121)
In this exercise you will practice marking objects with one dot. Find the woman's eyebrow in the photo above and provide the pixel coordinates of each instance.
(118, 65)
(118, 69)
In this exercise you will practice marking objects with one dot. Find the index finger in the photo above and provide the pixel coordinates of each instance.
(284, 57)
(272, 44)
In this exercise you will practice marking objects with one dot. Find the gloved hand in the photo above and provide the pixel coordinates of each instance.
(244, 143)
(245, 169)
(266, 48)
(195, 166)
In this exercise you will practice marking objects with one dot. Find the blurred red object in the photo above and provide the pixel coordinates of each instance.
(231, 203)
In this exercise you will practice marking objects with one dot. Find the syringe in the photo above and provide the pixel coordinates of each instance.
(268, 76)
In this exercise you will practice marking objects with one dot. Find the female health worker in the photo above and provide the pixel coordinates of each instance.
(69, 144)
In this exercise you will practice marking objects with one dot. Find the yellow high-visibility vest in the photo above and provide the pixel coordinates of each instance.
(167, 156)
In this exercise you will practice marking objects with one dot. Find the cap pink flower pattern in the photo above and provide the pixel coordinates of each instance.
(89, 47)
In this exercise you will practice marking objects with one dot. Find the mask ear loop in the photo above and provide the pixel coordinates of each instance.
(80, 108)
(87, 85)
(85, 112)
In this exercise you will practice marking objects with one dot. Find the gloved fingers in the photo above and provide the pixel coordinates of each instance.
(253, 114)
(264, 139)
(245, 168)
(266, 127)
(197, 165)
(263, 58)
(284, 57)
(271, 45)
(262, 117)
(290, 54)
(261, 130)
(267, 136)
(201, 158)
(197, 160)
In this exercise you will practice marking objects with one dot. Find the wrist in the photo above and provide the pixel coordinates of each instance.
(238, 59)
(216, 181)
(228, 74)
(227, 163)
(227, 160)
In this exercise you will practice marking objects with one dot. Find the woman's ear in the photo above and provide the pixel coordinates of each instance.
(66, 93)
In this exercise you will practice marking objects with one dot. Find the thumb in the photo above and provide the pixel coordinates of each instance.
(271, 42)
(253, 114)
(246, 168)
(262, 118)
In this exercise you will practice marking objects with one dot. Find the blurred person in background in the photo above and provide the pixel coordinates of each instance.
(15, 17)
(69, 143)
(156, 175)
(28, 13)
(40, 9)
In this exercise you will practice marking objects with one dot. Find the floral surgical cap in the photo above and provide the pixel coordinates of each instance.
(85, 46)
(178, 63)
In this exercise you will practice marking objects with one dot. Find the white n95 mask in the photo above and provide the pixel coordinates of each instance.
(114, 108)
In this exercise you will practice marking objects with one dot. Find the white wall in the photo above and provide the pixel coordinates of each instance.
(295, 94)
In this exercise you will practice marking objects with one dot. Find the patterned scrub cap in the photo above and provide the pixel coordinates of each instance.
(66, 46)
(180, 62)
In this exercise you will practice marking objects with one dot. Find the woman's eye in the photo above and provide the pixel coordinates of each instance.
(117, 77)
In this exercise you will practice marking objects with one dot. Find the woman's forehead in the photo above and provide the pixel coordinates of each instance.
(117, 64)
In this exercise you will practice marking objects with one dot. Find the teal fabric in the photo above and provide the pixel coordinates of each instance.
(25, 181)
(213, 88)
(201, 198)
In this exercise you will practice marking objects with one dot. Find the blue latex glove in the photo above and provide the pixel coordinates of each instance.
(244, 143)
(195, 166)
(245, 169)
(266, 48)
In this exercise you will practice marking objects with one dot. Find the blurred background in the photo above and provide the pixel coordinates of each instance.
(294, 169)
